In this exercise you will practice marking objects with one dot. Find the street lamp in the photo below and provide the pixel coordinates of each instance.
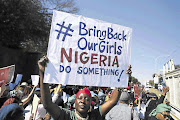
(157, 59)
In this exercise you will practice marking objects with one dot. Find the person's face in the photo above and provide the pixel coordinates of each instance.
(82, 103)
(164, 115)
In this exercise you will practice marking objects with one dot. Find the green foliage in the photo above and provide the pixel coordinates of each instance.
(26, 23)
(61, 5)
(151, 82)
(135, 81)
(177, 66)
(22, 20)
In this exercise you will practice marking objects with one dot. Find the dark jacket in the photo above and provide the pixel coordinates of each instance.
(152, 105)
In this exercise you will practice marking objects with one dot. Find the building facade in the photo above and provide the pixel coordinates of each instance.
(172, 78)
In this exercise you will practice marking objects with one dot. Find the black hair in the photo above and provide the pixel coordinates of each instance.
(38, 93)
(76, 90)
(14, 115)
(11, 112)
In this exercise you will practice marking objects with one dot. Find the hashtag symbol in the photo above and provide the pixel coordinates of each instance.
(66, 32)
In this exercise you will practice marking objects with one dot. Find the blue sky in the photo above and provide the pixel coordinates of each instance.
(156, 29)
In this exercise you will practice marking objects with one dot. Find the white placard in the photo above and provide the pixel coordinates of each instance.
(35, 79)
(35, 104)
(85, 51)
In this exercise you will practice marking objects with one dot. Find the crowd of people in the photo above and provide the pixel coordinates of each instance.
(72, 102)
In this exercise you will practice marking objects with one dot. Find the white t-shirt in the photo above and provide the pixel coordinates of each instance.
(41, 112)
(141, 111)
(28, 112)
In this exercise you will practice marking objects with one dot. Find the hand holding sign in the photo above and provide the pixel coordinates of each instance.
(87, 52)
(129, 70)
(42, 63)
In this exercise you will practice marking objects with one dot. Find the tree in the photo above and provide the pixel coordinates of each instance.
(151, 82)
(134, 80)
(20, 21)
(26, 23)
(177, 66)
(61, 5)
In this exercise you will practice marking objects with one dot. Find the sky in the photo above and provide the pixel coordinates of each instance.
(155, 25)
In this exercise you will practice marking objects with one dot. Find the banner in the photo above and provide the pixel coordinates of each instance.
(85, 51)
(136, 92)
(7, 74)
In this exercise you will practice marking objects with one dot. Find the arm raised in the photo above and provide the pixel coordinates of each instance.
(107, 106)
(51, 108)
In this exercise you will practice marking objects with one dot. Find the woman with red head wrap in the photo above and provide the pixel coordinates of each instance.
(82, 101)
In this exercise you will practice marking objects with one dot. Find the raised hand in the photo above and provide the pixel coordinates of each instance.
(165, 90)
(42, 63)
(128, 71)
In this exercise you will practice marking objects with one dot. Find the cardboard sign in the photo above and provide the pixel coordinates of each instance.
(7, 74)
(89, 52)
(35, 79)
(136, 92)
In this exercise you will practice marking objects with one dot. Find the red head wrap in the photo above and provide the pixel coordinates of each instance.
(86, 91)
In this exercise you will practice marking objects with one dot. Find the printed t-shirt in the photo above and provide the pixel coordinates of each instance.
(70, 115)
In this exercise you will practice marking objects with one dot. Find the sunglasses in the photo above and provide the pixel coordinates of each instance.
(166, 116)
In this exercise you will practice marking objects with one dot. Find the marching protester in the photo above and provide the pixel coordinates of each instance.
(71, 99)
(12, 112)
(88, 103)
(123, 111)
(88, 59)
(82, 101)
(162, 112)
(154, 101)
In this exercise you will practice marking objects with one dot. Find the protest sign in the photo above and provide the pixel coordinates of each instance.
(35, 79)
(136, 92)
(85, 51)
(35, 104)
(7, 74)
(17, 82)
(18, 79)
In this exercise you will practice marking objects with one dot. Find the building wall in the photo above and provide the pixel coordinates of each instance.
(25, 62)
(172, 79)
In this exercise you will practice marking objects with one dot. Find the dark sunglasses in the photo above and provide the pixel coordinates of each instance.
(166, 116)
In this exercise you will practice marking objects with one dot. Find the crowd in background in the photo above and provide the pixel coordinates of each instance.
(17, 102)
